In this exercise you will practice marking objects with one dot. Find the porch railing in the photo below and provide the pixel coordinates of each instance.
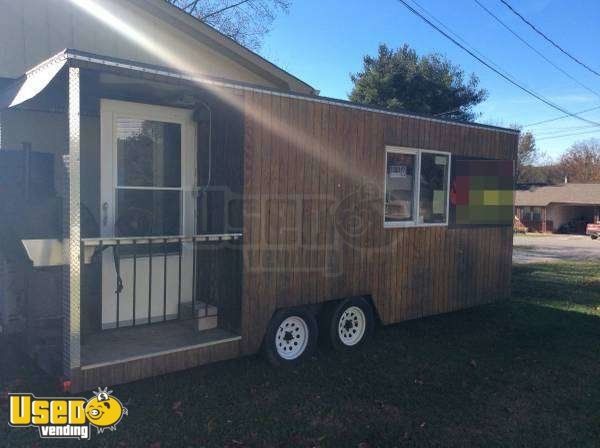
(150, 249)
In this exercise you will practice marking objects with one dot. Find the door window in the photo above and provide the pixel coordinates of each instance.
(148, 167)
(148, 191)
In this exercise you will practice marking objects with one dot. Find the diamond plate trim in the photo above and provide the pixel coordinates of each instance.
(74, 220)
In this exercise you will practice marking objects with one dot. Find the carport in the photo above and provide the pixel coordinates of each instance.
(566, 208)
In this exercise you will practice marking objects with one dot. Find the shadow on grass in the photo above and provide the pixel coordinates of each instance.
(515, 373)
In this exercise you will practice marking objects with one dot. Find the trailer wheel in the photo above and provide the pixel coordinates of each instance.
(291, 337)
(351, 323)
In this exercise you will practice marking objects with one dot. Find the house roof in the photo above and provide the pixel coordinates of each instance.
(223, 44)
(582, 194)
(146, 31)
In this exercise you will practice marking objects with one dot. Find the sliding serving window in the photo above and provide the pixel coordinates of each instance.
(400, 186)
(433, 191)
(416, 187)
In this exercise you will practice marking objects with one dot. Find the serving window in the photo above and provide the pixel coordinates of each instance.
(416, 187)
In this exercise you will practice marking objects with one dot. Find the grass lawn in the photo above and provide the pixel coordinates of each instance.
(525, 372)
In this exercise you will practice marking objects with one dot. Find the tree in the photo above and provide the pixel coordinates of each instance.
(402, 80)
(581, 162)
(245, 21)
(533, 165)
(528, 154)
(546, 174)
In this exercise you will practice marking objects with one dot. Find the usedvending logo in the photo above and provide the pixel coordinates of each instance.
(66, 417)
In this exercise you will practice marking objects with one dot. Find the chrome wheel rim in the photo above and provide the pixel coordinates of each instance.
(291, 338)
(352, 326)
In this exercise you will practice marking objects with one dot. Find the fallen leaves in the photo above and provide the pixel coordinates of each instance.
(177, 408)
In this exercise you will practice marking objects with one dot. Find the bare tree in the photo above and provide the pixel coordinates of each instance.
(535, 166)
(581, 162)
(245, 21)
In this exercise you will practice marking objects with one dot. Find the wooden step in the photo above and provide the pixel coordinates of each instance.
(205, 314)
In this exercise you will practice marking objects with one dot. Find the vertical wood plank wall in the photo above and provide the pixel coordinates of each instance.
(313, 224)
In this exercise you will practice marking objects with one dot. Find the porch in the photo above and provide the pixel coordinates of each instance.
(149, 185)
(160, 296)
(132, 344)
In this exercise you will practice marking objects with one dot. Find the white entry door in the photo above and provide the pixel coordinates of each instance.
(148, 171)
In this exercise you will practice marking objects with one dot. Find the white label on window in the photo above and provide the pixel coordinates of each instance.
(439, 202)
(398, 171)
(441, 160)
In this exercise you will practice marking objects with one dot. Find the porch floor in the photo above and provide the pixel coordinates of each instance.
(125, 344)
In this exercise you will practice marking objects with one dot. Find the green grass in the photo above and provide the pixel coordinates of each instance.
(525, 372)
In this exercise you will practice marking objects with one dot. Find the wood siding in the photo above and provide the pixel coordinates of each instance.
(313, 224)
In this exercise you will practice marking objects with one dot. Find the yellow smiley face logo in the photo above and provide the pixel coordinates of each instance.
(104, 411)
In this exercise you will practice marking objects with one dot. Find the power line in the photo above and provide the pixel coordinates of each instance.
(568, 135)
(458, 37)
(560, 130)
(488, 65)
(539, 53)
(583, 64)
(469, 46)
(561, 117)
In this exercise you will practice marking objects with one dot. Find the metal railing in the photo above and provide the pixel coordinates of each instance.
(148, 249)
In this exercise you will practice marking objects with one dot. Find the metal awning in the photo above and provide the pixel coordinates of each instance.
(38, 78)
(31, 83)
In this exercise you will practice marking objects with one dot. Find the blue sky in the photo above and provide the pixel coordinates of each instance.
(323, 41)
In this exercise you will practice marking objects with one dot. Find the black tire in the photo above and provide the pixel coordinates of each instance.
(594, 236)
(354, 337)
(285, 339)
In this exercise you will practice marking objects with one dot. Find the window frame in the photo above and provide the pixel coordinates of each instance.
(418, 220)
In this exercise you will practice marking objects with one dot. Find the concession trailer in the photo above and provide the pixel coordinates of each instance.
(160, 221)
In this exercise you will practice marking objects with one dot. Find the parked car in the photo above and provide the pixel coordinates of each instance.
(593, 230)
(575, 226)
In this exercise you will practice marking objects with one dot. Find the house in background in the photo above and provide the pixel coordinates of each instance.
(146, 31)
(559, 208)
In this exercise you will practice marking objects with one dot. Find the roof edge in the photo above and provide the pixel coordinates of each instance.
(75, 56)
(232, 45)
(165, 71)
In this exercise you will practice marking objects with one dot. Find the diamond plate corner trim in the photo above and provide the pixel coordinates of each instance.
(74, 220)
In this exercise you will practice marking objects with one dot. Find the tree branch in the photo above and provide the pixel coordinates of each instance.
(191, 5)
(219, 11)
